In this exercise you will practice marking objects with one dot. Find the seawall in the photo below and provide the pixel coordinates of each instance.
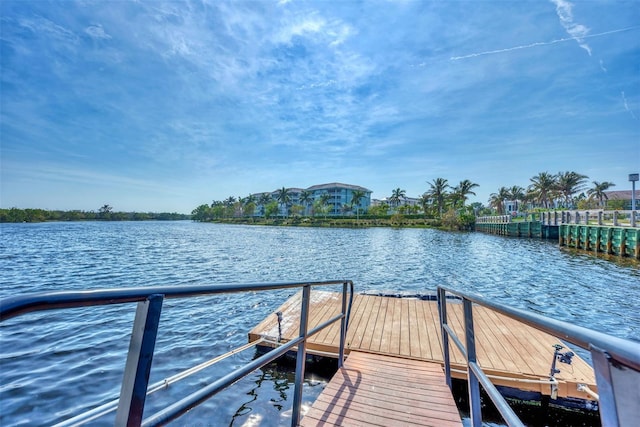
(580, 230)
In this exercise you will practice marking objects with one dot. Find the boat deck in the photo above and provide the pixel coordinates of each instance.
(511, 353)
(379, 390)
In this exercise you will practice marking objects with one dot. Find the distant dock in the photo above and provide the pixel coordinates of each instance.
(513, 354)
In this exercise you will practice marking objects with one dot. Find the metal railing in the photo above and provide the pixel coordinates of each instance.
(616, 218)
(616, 361)
(134, 388)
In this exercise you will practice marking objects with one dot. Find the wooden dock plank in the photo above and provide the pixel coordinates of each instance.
(415, 339)
(360, 321)
(382, 390)
(409, 328)
(375, 319)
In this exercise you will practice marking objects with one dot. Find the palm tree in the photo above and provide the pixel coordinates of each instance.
(516, 194)
(356, 196)
(425, 201)
(105, 212)
(598, 191)
(323, 201)
(496, 200)
(249, 204)
(263, 201)
(462, 190)
(397, 195)
(543, 186)
(306, 199)
(228, 204)
(569, 183)
(283, 197)
(438, 192)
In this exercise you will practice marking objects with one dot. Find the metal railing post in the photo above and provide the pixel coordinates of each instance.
(474, 385)
(136, 373)
(606, 401)
(343, 326)
(442, 308)
(301, 356)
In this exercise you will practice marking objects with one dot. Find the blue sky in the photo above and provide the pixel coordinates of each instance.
(152, 106)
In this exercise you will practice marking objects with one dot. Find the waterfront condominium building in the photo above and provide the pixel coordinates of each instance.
(338, 198)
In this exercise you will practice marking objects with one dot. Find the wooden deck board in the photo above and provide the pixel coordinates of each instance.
(382, 390)
(409, 328)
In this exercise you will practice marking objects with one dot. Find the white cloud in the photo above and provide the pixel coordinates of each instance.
(341, 34)
(577, 31)
(97, 32)
(305, 27)
(602, 67)
(626, 106)
(49, 28)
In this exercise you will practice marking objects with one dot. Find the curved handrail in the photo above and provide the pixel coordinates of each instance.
(14, 306)
(149, 300)
(625, 351)
(606, 350)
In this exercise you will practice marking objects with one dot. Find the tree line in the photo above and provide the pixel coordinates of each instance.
(440, 201)
(566, 190)
(439, 198)
(105, 213)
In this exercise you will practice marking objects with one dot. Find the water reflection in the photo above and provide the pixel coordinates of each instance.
(273, 383)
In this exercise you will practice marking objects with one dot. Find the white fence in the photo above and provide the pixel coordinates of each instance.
(593, 217)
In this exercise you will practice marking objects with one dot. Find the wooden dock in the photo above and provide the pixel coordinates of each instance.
(511, 353)
(378, 390)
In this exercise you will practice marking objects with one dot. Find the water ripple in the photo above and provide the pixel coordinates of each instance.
(55, 363)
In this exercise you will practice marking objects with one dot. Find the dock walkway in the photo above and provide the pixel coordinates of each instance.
(511, 353)
(378, 390)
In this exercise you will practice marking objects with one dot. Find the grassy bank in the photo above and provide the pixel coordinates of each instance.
(394, 221)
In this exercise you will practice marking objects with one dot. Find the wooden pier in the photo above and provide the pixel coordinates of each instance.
(377, 390)
(511, 353)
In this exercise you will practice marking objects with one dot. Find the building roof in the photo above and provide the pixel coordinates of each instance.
(621, 195)
(338, 185)
(291, 189)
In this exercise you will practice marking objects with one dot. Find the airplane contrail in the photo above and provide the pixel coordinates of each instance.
(527, 46)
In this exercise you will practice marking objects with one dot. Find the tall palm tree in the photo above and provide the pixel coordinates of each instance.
(396, 196)
(306, 199)
(356, 197)
(496, 200)
(263, 201)
(516, 194)
(284, 198)
(323, 201)
(463, 189)
(598, 191)
(543, 186)
(228, 205)
(249, 204)
(438, 192)
(425, 201)
(569, 183)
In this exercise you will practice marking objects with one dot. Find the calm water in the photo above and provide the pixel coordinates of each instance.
(56, 363)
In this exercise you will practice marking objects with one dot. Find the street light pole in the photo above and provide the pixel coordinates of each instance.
(633, 177)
